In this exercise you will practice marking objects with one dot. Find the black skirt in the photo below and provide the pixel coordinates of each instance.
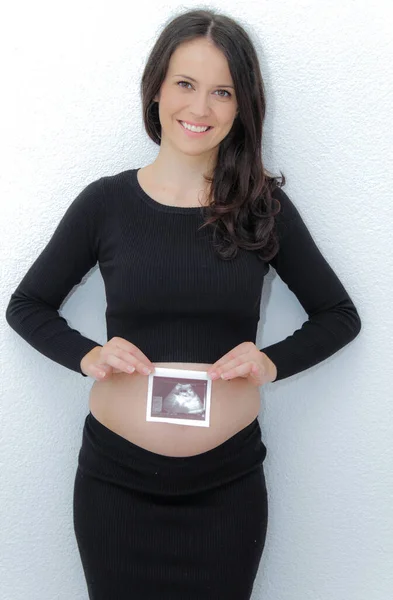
(157, 527)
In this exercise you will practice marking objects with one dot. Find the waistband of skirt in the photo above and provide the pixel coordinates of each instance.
(109, 456)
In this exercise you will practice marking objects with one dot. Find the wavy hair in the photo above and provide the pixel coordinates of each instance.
(240, 200)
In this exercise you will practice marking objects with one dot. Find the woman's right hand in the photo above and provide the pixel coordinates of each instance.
(116, 356)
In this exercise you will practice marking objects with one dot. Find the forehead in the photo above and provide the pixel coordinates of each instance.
(200, 58)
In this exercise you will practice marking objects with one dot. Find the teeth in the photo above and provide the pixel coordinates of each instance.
(193, 128)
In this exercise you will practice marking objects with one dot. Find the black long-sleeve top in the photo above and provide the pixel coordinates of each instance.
(167, 291)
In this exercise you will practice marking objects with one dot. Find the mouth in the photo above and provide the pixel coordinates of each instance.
(195, 133)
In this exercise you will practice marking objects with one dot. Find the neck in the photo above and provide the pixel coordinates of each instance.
(180, 172)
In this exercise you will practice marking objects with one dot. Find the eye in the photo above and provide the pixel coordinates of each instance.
(225, 91)
(186, 82)
(229, 94)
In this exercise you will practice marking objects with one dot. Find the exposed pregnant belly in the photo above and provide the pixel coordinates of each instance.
(120, 404)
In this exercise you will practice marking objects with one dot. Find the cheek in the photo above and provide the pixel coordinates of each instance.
(171, 103)
(231, 114)
(226, 115)
(227, 124)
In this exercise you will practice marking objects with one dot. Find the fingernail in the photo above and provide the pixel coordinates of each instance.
(130, 369)
(101, 373)
(225, 376)
(213, 375)
(146, 370)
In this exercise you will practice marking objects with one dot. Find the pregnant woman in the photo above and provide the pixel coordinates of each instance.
(163, 510)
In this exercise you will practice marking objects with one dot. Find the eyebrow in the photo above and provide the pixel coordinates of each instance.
(192, 79)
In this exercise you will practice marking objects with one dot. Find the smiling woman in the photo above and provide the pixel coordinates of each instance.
(164, 510)
(202, 103)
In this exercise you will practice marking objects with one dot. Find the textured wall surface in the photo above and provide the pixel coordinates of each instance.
(70, 113)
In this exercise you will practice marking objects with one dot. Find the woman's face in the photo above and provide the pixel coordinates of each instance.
(209, 100)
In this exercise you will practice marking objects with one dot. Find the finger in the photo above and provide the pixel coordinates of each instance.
(115, 351)
(231, 364)
(130, 348)
(229, 356)
(128, 362)
(126, 365)
(243, 370)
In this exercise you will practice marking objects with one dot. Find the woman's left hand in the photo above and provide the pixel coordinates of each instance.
(245, 360)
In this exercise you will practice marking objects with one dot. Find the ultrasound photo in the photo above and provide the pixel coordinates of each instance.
(179, 396)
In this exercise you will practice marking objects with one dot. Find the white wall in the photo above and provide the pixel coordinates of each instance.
(70, 113)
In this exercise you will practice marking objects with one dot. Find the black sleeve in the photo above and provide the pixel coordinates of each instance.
(70, 253)
(333, 320)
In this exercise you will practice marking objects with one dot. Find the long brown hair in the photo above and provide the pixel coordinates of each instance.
(240, 200)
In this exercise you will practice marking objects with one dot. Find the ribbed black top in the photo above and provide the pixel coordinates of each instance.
(168, 291)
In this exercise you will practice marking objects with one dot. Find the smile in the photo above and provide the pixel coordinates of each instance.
(193, 130)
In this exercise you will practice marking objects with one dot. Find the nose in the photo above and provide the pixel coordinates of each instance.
(200, 105)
